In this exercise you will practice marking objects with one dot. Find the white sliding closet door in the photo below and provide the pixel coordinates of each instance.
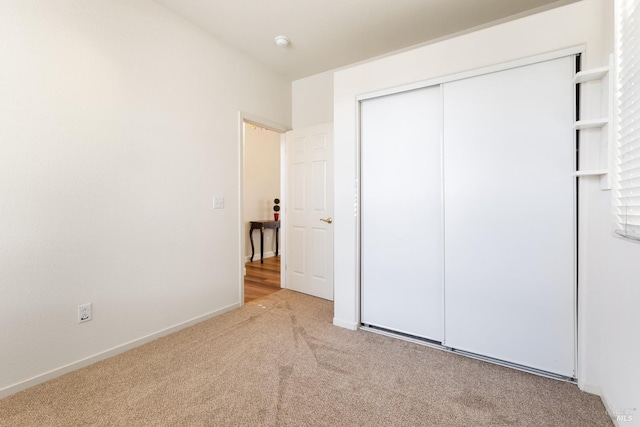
(509, 215)
(401, 200)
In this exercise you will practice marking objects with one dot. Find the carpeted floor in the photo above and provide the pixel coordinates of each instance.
(279, 361)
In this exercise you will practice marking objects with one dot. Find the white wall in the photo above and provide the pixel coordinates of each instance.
(261, 184)
(609, 288)
(312, 100)
(119, 125)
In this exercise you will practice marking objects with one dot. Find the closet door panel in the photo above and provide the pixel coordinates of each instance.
(401, 202)
(509, 215)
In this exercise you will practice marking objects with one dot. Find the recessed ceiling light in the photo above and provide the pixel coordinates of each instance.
(282, 41)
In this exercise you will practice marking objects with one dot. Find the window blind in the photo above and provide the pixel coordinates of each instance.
(628, 118)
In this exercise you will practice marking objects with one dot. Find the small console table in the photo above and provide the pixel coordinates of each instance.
(261, 225)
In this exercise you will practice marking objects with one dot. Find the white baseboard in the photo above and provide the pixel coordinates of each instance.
(589, 388)
(344, 324)
(612, 412)
(256, 257)
(23, 385)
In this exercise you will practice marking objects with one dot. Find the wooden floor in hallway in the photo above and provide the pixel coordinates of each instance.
(261, 279)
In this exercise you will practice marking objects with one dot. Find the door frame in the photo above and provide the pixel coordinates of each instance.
(244, 117)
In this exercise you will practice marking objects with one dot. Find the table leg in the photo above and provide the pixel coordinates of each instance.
(277, 229)
(262, 245)
(251, 239)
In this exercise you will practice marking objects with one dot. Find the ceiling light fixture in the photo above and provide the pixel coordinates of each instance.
(282, 41)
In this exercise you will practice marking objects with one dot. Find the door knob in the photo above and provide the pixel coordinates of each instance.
(327, 220)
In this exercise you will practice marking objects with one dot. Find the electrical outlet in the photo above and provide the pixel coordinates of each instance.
(84, 313)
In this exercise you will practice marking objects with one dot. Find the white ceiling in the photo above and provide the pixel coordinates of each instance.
(329, 34)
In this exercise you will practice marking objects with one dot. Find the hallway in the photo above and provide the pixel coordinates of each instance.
(261, 279)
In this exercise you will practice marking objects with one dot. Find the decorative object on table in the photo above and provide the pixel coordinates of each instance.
(276, 209)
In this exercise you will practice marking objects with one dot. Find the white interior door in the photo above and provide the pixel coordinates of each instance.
(509, 216)
(402, 220)
(308, 210)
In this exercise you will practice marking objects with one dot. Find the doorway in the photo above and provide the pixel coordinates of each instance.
(261, 187)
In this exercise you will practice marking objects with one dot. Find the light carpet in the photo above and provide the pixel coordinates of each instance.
(279, 361)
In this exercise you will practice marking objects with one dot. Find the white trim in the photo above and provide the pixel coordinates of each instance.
(39, 379)
(262, 122)
(256, 256)
(611, 412)
(241, 231)
(283, 218)
(576, 59)
(589, 388)
(476, 72)
(357, 203)
(444, 229)
(345, 324)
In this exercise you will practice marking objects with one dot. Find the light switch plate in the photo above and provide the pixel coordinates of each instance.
(218, 202)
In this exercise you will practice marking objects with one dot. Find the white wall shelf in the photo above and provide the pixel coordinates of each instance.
(604, 76)
(590, 124)
(590, 75)
(592, 172)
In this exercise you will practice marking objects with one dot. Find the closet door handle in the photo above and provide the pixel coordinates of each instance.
(327, 220)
